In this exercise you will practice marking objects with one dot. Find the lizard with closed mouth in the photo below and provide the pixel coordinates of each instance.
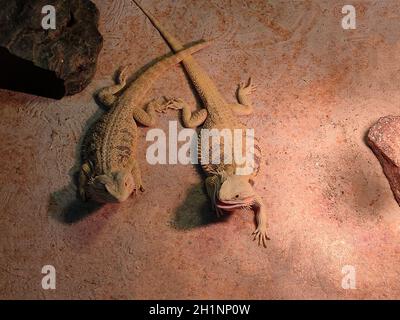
(110, 171)
(227, 189)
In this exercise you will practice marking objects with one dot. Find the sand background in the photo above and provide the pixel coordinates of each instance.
(319, 90)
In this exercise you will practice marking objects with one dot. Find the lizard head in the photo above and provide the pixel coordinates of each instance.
(114, 187)
(236, 191)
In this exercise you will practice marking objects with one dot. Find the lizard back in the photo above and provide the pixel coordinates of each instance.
(112, 139)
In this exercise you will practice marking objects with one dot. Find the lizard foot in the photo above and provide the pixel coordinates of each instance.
(218, 211)
(247, 88)
(172, 103)
(122, 76)
(163, 104)
(82, 194)
(159, 104)
(260, 234)
(135, 191)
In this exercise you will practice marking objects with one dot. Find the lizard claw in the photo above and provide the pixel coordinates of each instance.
(174, 102)
(247, 88)
(159, 105)
(141, 189)
(169, 103)
(82, 194)
(122, 77)
(218, 211)
(260, 234)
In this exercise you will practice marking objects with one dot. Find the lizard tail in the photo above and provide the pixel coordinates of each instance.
(138, 89)
(206, 88)
(170, 39)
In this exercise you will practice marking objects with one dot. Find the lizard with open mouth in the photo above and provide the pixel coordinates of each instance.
(227, 188)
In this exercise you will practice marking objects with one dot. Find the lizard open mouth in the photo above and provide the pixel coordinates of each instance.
(235, 204)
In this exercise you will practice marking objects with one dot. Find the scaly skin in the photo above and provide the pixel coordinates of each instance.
(227, 190)
(110, 171)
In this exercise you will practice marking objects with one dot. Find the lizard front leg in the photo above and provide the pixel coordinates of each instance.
(244, 107)
(136, 173)
(84, 174)
(147, 117)
(212, 187)
(190, 119)
(260, 234)
(107, 95)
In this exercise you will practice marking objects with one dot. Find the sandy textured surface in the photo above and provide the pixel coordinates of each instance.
(319, 90)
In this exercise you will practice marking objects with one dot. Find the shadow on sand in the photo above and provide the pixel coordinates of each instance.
(196, 210)
(66, 207)
(65, 204)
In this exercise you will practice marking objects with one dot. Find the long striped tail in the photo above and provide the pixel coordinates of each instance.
(171, 40)
(205, 87)
(138, 89)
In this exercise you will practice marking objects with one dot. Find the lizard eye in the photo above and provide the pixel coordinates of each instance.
(237, 196)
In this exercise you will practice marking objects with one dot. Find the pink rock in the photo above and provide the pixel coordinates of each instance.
(384, 140)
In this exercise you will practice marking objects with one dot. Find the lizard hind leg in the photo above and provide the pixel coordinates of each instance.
(190, 119)
(84, 175)
(107, 96)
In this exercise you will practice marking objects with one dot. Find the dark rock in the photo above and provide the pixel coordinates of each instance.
(384, 140)
(50, 63)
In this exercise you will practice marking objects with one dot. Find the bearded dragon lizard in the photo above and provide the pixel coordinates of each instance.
(110, 171)
(226, 188)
